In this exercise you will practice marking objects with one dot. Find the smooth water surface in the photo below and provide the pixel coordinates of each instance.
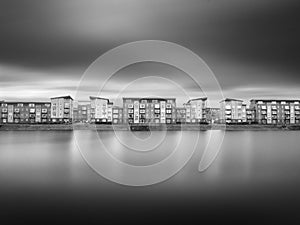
(254, 178)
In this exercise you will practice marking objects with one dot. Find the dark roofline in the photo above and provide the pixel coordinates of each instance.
(230, 99)
(195, 99)
(65, 97)
(277, 100)
(137, 98)
(96, 97)
(24, 102)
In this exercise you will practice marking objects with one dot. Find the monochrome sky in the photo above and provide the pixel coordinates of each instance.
(252, 46)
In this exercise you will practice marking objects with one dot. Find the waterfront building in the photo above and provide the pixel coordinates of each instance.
(213, 115)
(244, 113)
(250, 114)
(25, 112)
(101, 110)
(1, 111)
(149, 110)
(81, 111)
(232, 111)
(273, 111)
(62, 109)
(180, 115)
(117, 115)
(196, 110)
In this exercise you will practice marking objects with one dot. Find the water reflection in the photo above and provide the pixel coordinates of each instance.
(255, 171)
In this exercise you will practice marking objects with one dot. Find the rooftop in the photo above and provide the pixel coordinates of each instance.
(277, 100)
(152, 98)
(96, 97)
(195, 99)
(64, 97)
(231, 99)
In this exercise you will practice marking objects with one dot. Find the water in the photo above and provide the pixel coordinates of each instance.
(254, 178)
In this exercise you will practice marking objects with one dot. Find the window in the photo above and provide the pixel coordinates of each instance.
(142, 106)
(130, 106)
(156, 106)
(169, 111)
(168, 106)
(142, 111)
(4, 110)
(31, 105)
(32, 110)
(130, 110)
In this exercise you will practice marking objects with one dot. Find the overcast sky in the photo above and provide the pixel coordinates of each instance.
(252, 46)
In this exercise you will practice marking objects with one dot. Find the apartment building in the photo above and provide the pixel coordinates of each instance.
(196, 110)
(180, 115)
(25, 112)
(212, 115)
(81, 111)
(101, 110)
(250, 114)
(232, 111)
(273, 111)
(62, 109)
(149, 110)
(117, 115)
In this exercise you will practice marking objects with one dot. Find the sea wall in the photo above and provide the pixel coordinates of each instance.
(173, 127)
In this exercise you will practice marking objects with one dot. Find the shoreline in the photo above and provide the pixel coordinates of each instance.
(123, 127)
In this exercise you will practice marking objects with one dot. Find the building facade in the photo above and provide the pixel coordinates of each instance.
(180, 115)
(101, 110)
(81, 112)
(276, 111)
(149, 110)
(62, 109)
(196, 110)
(213, 115)
(250, 114)
(25, 112)
(117, 115)
(232, 111)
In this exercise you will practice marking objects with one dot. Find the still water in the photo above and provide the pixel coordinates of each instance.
(254, 178)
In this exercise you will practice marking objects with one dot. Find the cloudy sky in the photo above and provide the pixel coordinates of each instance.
(252, 46)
